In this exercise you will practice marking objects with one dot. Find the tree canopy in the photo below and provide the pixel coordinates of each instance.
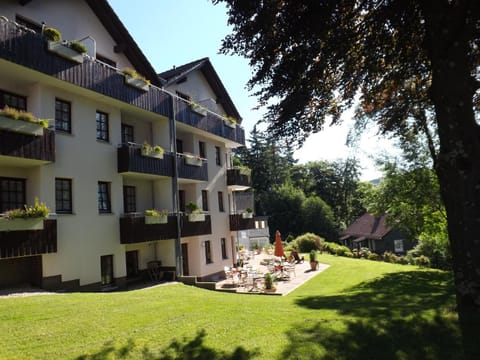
(410, 63)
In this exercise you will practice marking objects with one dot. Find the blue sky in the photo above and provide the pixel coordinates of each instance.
(175, 32)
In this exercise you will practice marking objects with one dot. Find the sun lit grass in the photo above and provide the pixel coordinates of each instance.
(356, 309)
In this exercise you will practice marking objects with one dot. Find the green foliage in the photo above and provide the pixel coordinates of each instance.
(422, 261)
(21, 115)
(37, 210)
(373, 256)
(77, 46)
(52, 34)
(390, 257)
(307, 242)
(268, 281)
(318, 218)
(337, 249)
(313, 255)
(191, 207)
(133, 73)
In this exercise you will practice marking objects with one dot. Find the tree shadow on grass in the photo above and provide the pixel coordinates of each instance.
(405, 315)
(193, 349)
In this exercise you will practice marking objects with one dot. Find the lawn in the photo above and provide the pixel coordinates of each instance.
(356, 309)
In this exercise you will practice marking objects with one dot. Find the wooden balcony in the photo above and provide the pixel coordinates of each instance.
(30, 50)
(237, 222)
(130, 160)
(25, 150)
(191, 172)
(209, 122)
(29, 242)
(237, 181)
(134, 230)
(189, 228)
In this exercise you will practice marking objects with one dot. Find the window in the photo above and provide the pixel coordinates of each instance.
(12, 100)
(220, 202)
(102, 126)
(218, 159)
(179, 146)
(202, 149)
(204, 200)
(104, 205)
(127, 133)
(129, 199)
(260, 224)
(106, 268)
(12, 194)
(181, 200)
(183, 96)
(398, 246)
(63, 196)
(223, 243)
(208, 252)
(63, 116)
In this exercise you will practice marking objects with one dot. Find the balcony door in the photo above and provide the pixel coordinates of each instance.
(185, 260)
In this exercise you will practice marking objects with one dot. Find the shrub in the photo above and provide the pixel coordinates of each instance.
(403, 260)
(422, 261)
(268, 281)
(373, 256)
(307, 242)
(390, 257)
(313, 255)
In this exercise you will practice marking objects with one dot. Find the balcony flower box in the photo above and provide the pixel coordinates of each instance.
(199, 109)
(136, 82)
(62, 49)
(193, 160)
(160, 219)
(230, 123)
(247, 215)
(20, 126)
(155, 151)
(196, 217)
(21, 224)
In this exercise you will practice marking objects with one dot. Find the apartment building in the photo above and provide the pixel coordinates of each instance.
(94, 166)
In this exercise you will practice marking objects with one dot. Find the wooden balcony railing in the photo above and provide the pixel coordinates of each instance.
(19, 145)
(130, 160)
(189, 228)
(237, 222)
(29, 242)
(134, 230)
(192, 172)
(30, 50)
(237, 180)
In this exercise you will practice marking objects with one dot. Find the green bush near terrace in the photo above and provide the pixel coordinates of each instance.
(355, 309)
(307, 242)
(337, 249)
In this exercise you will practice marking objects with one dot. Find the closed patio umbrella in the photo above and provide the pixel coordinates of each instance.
(278, 245)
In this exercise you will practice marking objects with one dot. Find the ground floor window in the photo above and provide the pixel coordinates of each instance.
(208, 252)
(223, 243)
(106, 265)
(398, 246)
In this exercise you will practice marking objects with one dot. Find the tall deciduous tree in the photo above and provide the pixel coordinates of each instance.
(407, 59)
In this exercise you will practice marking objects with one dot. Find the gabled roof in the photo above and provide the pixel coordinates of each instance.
(205, 66)
(368, 226)
(124, 40)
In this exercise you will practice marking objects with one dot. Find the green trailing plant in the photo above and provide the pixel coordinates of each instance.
(21, 115)
(52, 34)
(37, 210)
(157, 149)
(152, 212)
(77, 46)
(249, 210)
(133, 73)
(192, 207)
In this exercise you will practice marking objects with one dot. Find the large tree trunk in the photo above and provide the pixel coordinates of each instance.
(458, 166)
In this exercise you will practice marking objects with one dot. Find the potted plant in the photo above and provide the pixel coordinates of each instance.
(70, 50)
(199, 109)
(313, 260)
(28, 218)
(153, 216)
(195, 214)
(21, 121)
(157, 152)
(230, 121)
(269, 283)
(135, 79)
(191, 159)
(248, 214)
(146, 149)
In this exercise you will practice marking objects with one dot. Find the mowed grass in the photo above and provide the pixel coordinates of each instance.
(356, 309)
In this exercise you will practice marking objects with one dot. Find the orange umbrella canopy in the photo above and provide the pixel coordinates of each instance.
(278, 245)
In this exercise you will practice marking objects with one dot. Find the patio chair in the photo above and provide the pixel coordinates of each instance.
(297, 258)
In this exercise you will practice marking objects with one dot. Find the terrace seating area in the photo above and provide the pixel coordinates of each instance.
(250, 278)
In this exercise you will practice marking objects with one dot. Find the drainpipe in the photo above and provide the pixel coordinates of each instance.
(176, 201)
